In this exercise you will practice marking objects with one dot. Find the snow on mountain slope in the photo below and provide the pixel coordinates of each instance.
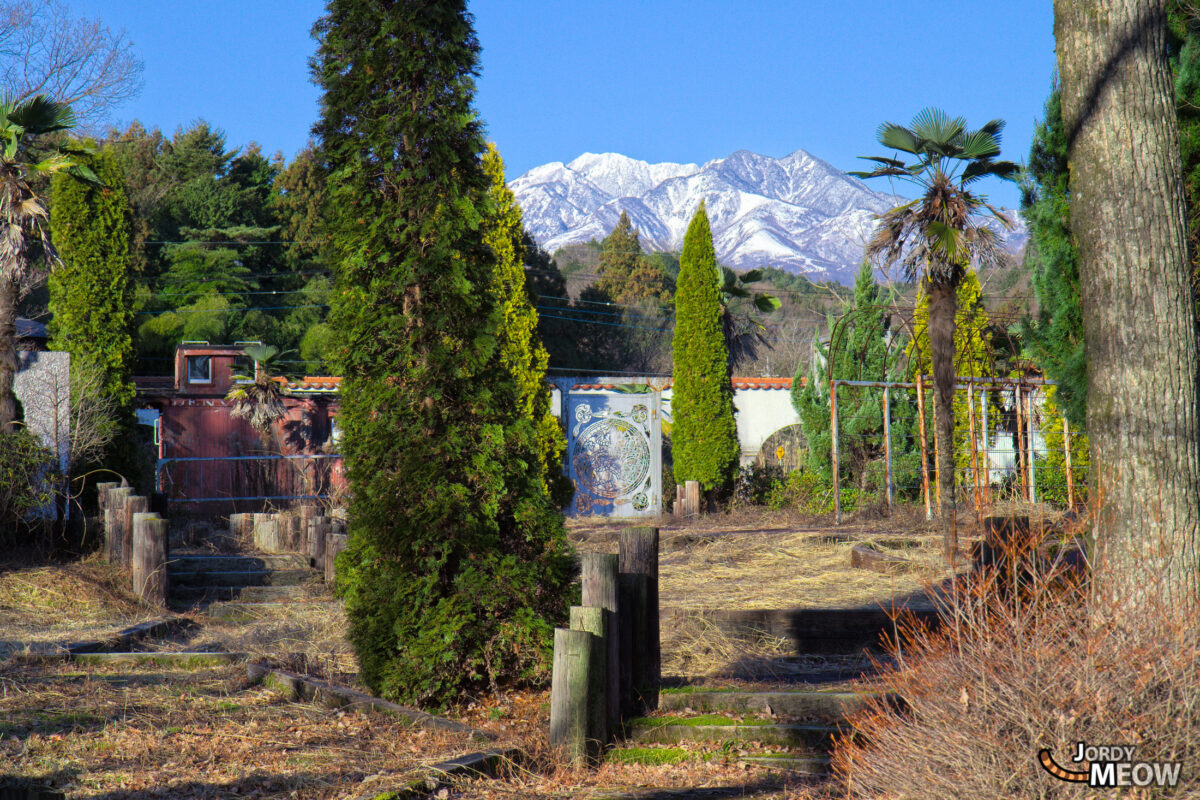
(797, 213)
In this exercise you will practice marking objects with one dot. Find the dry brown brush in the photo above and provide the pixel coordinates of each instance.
(1023, 663)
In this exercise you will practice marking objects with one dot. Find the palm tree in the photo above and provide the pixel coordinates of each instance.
(259, 399)
(25, 163)
(743, 331)
(936, 238)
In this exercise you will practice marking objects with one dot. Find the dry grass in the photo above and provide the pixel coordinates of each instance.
(763, 564)
(61, 603)
(1033, 659)
(307, 637)
(139, 733)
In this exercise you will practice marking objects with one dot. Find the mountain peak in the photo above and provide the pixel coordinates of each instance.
(798, 212)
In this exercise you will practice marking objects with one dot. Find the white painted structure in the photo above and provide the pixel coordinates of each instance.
(762, 405)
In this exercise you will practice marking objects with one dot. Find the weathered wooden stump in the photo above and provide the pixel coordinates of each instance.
(601, 589)
(574, 654)
(114, 517)
(865, 557)
(150, 558)
(318, 529)
(134, 504)
(334, 544)
(638, 609)
(592, 619)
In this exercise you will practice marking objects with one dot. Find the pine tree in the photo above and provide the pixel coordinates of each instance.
(704, 436)
(92, 290)
(456, 567)
(522, 353)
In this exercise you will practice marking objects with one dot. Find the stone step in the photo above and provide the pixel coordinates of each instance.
(826, 704)
(715, 728)
(257, 577)
(190, 595)
(189, 562)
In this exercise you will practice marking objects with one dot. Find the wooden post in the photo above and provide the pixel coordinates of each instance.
(679, 500)
(114, 515)
(134, 504)
(833, 429)
(692, 504)
(987, 448)
(600, 589)
(1020, 441)
(334, 544)
(569, 683)
(638, 607)
(318, 529)
(150, 558)
(102, 490)
(265, 532)
(974, 446)
(593, 620)
(924, 447)
(1067, 456)
(887, 446)
(1029, 445)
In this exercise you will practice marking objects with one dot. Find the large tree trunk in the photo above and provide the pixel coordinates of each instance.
(1127, 214)
(8, 352)
(943, 302)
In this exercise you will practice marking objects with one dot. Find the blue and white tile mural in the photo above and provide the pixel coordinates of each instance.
(614, 453)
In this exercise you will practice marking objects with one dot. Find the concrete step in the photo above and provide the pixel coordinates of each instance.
(195, 562)
(236, 611)
(188, 596)
(830, 705)
(257, 577)
(782, 761)
(808, 739)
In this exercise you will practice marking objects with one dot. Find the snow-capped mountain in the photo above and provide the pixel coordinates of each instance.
(798, 212)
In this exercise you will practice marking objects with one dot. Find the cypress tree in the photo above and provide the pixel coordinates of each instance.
(91, 291)
(704, 436)
(522, 353)
(456, 567)
(1056, 337)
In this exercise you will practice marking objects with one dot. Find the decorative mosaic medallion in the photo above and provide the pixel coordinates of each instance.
(610, 456)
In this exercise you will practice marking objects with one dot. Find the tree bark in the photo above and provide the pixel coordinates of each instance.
(943, 303)
(1127, 214)
(8, 352)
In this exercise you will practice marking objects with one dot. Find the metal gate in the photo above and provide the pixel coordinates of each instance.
(614, 453)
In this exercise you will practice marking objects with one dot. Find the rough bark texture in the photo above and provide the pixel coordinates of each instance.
(1127, 214)
(942, 306)
(8, 353)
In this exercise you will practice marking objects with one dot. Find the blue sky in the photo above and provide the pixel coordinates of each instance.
(659, 80)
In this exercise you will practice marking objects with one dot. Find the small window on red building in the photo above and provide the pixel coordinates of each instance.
(199, 369)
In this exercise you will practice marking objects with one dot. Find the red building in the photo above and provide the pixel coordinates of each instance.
(212, 462)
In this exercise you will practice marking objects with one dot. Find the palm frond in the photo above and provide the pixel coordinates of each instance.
(898, 137)
(936, 125)
(39, 115)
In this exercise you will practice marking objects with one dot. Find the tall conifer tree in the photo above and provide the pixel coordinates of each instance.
(455, 569)
(522, 353)
(92, 291)
(704, 437)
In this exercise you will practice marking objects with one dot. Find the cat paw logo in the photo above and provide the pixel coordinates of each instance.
(1111, 766)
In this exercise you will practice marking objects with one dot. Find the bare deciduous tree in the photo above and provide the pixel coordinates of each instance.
(46, 50)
